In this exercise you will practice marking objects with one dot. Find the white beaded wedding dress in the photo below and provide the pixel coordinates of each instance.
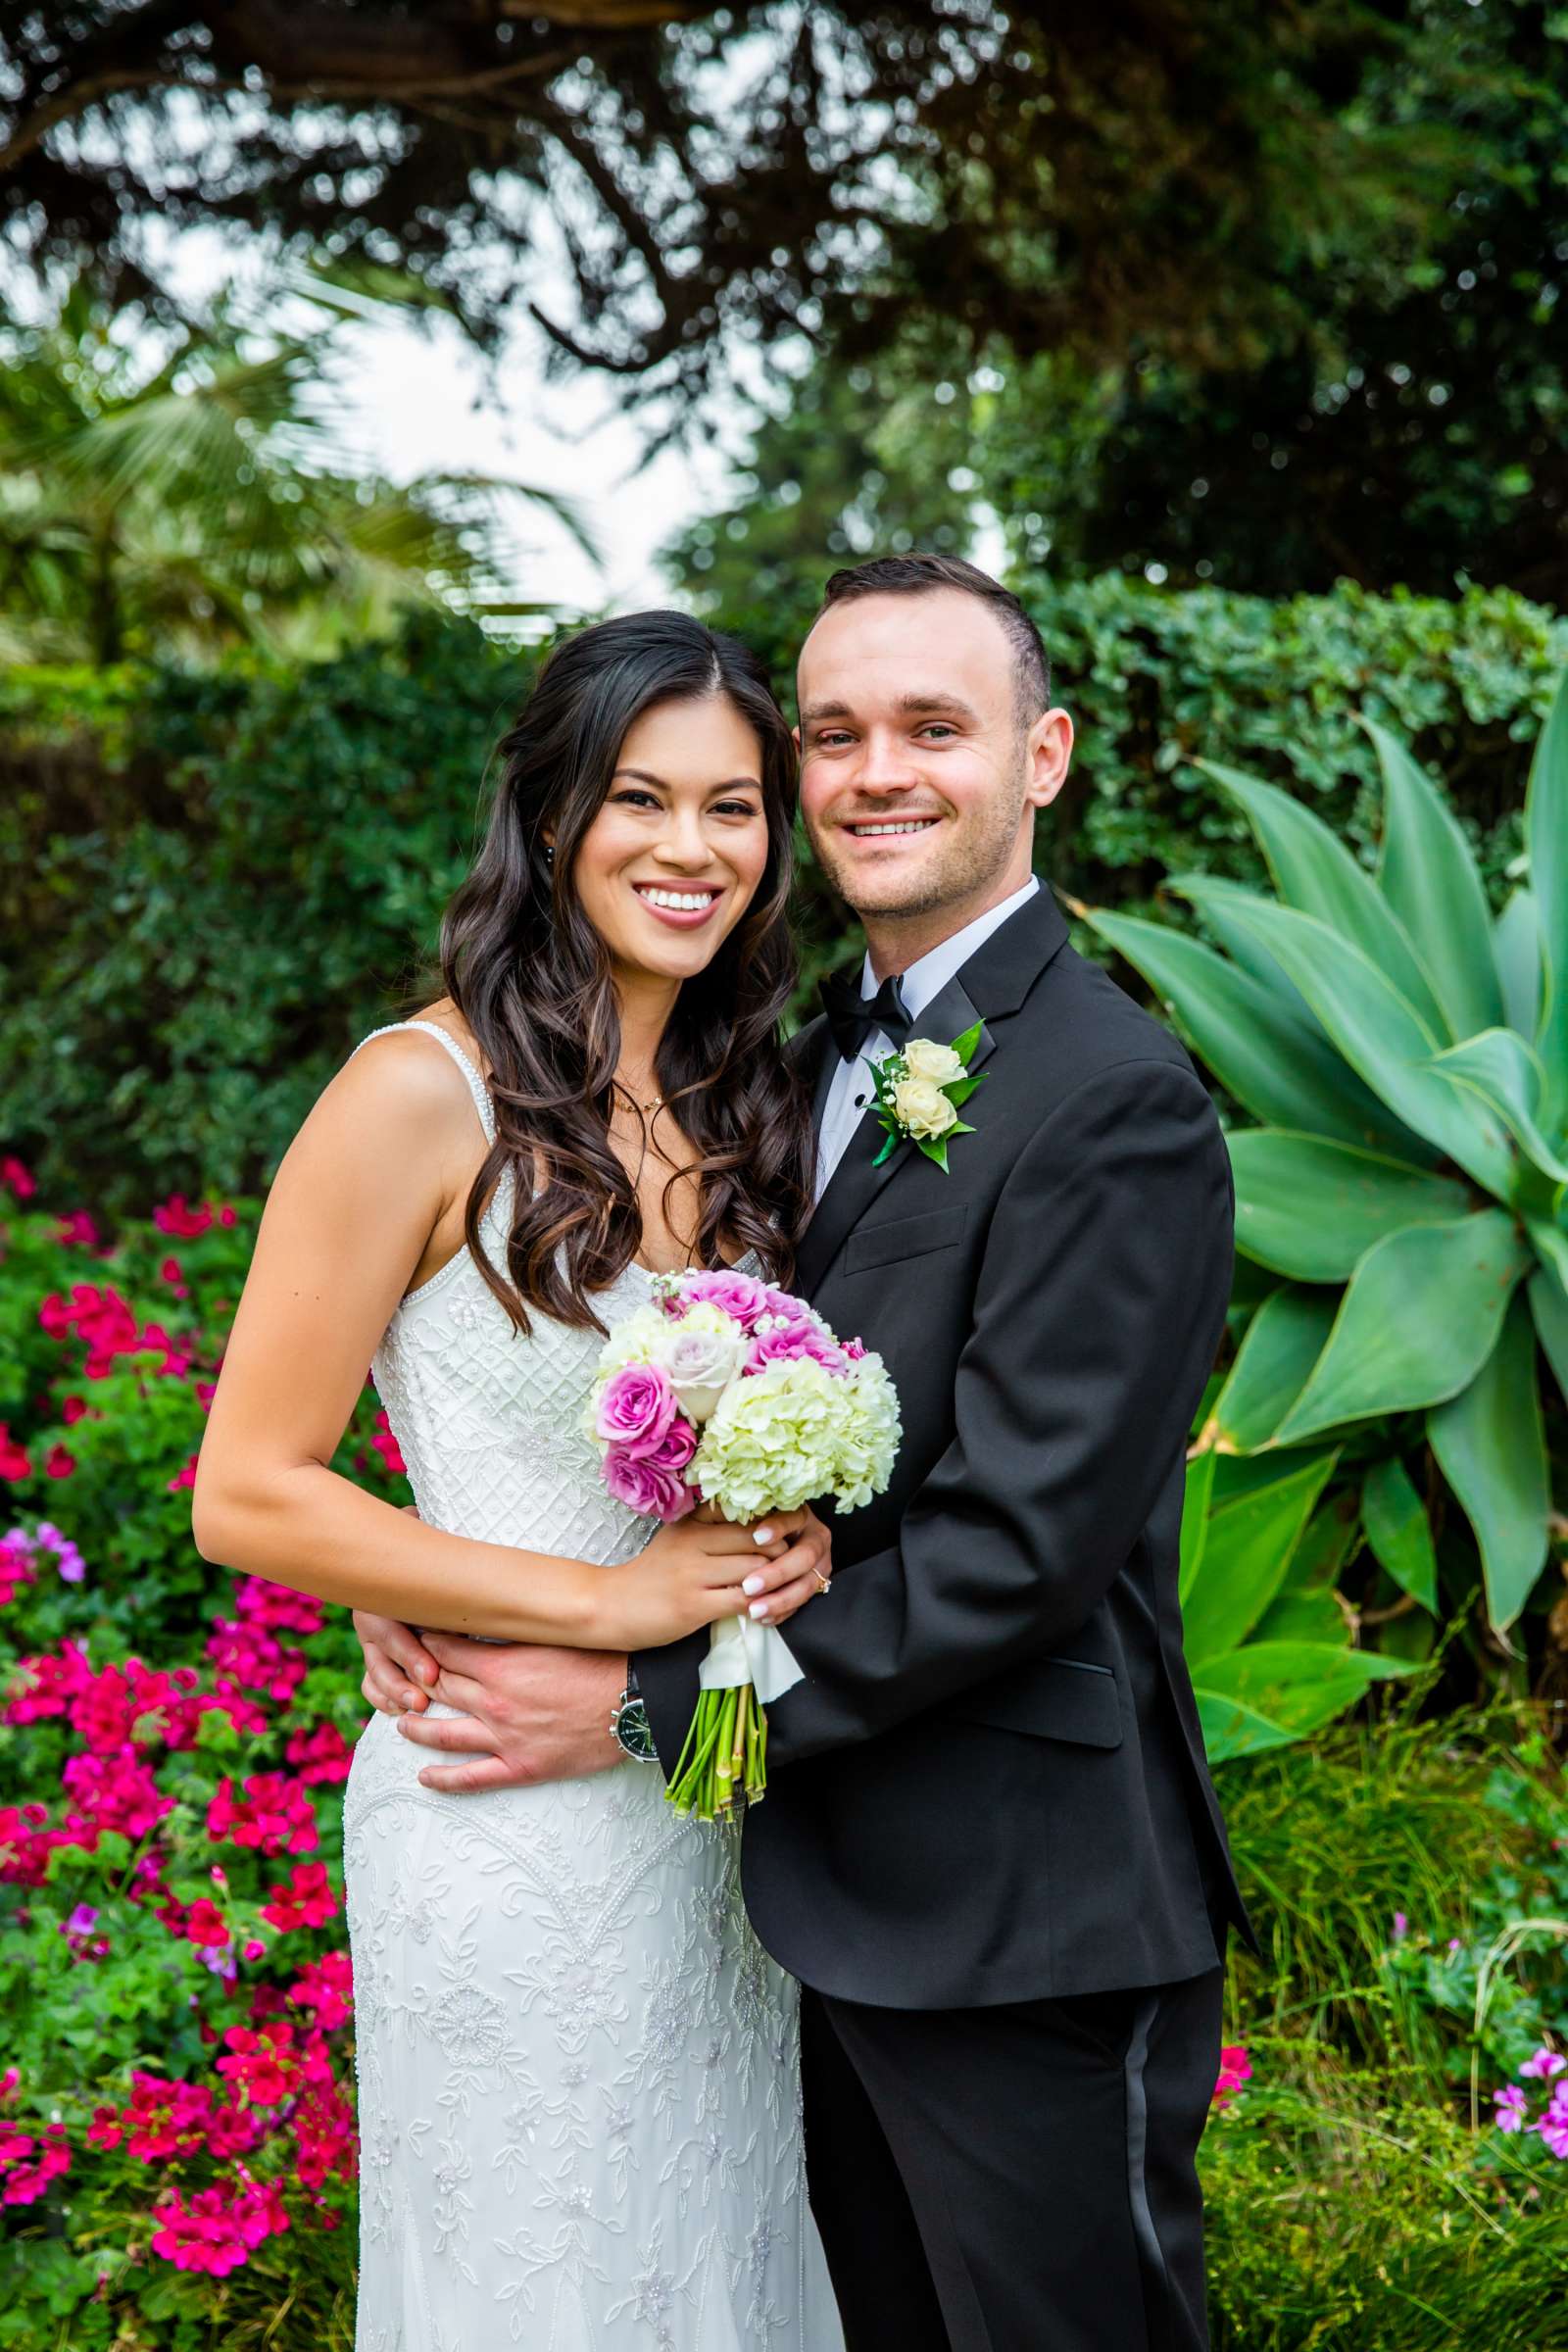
(580, 2092)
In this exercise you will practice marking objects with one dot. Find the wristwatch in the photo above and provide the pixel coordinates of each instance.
(629, 1725)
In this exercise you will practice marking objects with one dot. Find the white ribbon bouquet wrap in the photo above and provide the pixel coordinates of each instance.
(730, 1392)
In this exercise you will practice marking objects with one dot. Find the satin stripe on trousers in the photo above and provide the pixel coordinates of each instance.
(1013, 2179)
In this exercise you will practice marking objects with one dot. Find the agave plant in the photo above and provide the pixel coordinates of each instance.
(1407, 1058)
(1268, 1644)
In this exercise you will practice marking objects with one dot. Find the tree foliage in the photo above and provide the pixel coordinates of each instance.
(1079, 179)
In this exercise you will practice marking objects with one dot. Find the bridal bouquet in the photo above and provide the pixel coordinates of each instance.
(729, 1392)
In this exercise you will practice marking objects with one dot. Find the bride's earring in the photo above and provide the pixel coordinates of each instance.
(550, 852)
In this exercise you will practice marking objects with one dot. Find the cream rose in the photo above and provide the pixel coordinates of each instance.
(922, 1108)
(938, 1064)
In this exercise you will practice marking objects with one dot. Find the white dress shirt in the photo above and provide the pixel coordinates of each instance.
(849, 1089)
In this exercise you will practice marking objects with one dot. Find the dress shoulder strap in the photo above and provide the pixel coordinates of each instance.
(476, 1084)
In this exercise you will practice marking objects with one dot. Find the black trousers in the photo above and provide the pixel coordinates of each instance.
(1013, 2179)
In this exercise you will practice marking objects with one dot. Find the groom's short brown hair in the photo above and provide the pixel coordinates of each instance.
(917, 575)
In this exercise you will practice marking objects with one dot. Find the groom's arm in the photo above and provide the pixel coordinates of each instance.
(1101, 1300)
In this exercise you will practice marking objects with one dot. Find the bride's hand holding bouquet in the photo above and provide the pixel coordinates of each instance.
(728, 1392)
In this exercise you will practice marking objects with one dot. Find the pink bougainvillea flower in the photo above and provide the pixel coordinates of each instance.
(1512, 2108)
(13, 1460)
(74, 1409)
(173, 1216)
(275, 1815)
(16, 1179)
(184, 1478)
(263, 2065)
(59, 1462)
(276, 1608)
(216, 2230)
(321, 1754)
(387, 1447)
(306, 1901)
(1235, 2069)
(29, 2162)
(326, 1985)
(115, 1792)
(76, 1231)
(16, 1565)
(204, 1924)
(1545, 2065)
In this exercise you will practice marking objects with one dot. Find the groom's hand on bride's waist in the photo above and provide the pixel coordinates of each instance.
(522, 1713)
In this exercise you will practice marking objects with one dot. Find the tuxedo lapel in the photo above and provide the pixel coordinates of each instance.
(1000, 975)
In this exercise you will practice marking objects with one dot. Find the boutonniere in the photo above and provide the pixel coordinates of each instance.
(920, 1091)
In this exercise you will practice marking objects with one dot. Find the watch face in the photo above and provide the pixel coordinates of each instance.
(635, 1732)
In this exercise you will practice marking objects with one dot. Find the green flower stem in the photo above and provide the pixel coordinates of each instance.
(724, 1764)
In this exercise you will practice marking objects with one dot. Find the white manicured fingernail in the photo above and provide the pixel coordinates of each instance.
(759, 1608)
(752, 1583)
(761, 1534)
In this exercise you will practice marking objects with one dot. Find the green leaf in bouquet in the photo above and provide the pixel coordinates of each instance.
(1382, 1038)
(959, 1090)
(1312, 1206)
(1282, 1344)
(1314, 872)
(966, 1045)
(1246, 1557)
(1491, 1447)
(1398, 1531)
(1281, 1067)
(1417, 1320)
(1430, 879)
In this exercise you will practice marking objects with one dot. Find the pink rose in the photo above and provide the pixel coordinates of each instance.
(739, 1295)
(794, 1341)
(635, 1411)
(674, 1448)
(647, 1488)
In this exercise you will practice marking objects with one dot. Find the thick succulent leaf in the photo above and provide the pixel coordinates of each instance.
(1429, 877)
(1516, 945)
(1312, 1208)
(1196, 1497)
(1418, 1319)
(1491, 1449)
(1283, 1342)
(1549, 1305)
(1398, 1531)
(1547, 839)
(1246, 1555)
(1382, 1039)
(1504, 1073)
(1283, 1069)
(1270, 1692)
(1314, 872)
(1306, 1607)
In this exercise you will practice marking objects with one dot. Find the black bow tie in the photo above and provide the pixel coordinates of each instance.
(853, 1018)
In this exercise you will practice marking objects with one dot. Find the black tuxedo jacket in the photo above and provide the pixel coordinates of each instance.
(991, 1785)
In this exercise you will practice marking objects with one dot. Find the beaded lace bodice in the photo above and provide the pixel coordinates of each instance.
(489, 1422)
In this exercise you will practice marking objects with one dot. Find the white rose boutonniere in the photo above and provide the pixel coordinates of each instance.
(920, 1092)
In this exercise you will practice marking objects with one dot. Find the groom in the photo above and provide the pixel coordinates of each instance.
(990, 1849)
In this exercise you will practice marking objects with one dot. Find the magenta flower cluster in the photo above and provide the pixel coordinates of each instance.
(1547, 2068)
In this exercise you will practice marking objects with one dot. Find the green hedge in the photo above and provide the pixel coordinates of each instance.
(213, 884)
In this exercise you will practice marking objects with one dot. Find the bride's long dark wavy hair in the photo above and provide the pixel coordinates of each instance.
(532, 978)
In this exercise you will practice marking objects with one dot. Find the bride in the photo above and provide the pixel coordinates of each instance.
(578, 2081)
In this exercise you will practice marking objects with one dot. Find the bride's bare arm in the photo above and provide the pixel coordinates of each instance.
(387, 1149)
